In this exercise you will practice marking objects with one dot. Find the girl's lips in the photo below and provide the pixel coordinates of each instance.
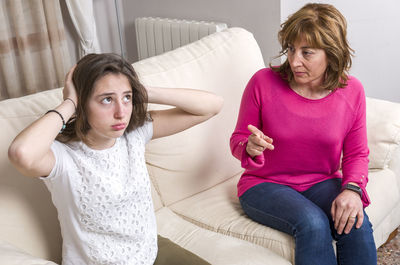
(119, 126)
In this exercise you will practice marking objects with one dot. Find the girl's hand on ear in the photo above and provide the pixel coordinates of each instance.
(69, 90)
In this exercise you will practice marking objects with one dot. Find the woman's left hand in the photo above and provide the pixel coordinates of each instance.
(346, 209)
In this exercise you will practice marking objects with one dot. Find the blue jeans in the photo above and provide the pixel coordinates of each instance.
(306, 216)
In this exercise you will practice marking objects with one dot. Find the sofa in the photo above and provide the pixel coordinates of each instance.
(193, 173)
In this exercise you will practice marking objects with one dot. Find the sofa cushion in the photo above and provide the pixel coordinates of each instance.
(383, 129)
(218, 249)
(218, 209)
(182, 164)
(11, 255)
(384, 192)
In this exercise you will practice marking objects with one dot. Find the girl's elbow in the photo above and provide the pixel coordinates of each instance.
(18, 156)
(219, 103)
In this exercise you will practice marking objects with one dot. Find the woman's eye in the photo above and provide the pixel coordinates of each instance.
(290, 49)
(127, 98)
(307, 53)
(106, 100)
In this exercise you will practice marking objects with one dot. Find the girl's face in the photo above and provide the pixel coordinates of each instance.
(109, 110)
(308, 64)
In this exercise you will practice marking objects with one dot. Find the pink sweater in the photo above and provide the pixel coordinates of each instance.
(309, 135)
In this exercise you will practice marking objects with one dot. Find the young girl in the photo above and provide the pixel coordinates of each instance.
(90, 150)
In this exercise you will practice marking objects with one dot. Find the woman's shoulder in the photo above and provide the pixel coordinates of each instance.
(354, 87)
(266, 73)
(266, 76)
(352, 81)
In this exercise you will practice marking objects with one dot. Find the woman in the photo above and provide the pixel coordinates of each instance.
(295, 121)
(95, 167)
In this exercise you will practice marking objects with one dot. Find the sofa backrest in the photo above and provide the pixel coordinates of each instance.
(383, 129)
(189, 162)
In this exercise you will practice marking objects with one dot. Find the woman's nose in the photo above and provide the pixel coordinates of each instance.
(296, 59)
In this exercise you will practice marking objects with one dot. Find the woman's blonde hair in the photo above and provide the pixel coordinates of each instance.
(322, 26)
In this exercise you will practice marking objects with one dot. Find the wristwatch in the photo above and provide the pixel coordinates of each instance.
(352, 187)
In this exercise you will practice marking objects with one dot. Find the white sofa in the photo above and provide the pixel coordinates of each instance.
(193, 174)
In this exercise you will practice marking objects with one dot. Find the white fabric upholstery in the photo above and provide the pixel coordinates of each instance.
(10, 255)
(179, 160)
(218, 209)
(383, 127)
(225, 250)
(193, 174)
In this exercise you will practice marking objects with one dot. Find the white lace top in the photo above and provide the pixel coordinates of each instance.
(104, 204)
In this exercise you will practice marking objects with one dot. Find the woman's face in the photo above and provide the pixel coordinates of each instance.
(308, 64)
(109, 110)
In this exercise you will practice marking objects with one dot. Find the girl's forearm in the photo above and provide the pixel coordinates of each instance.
(35, 140)
(197, 102)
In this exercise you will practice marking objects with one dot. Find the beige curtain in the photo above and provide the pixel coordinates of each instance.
(33, 48)
(82, 15)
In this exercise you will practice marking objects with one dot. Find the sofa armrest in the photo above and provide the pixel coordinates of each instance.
(394, 163)
(11, 255)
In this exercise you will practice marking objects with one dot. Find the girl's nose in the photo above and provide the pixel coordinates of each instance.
(119, 110)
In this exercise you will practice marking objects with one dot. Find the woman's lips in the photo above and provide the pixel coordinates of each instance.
(118, 127)
(299, 73)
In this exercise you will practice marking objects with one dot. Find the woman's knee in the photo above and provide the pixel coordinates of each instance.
(315, 224)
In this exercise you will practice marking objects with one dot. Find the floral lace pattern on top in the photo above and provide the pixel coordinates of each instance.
(113, 195)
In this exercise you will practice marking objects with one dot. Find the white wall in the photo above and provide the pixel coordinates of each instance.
(374, 34)
(260, 17)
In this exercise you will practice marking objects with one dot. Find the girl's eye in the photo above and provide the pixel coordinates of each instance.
(106, 100)
(290, 49)
(127, 98)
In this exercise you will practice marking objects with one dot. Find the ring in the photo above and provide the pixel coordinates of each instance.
(352, 217)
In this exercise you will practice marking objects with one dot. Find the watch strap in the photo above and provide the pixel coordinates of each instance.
(352, 187)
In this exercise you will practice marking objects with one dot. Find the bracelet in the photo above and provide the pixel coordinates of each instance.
(72, 102)
(62, 118)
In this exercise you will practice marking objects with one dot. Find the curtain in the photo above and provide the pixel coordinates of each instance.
(33, 48)
(81, 12)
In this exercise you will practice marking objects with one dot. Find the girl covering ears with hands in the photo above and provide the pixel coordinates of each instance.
(95, 167)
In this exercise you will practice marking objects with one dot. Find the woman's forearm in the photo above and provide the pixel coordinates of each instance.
(196, 102)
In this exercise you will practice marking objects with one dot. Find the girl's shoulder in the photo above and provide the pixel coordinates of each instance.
(144, 132)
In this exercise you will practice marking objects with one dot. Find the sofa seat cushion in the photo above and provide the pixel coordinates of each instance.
(216, 248)
(11, 255)
(218, 209)
(384, 191)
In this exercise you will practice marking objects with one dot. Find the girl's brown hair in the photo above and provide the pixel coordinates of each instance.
(324, 27)
(91, 68)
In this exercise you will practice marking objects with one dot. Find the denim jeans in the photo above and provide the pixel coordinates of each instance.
(306, 216)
